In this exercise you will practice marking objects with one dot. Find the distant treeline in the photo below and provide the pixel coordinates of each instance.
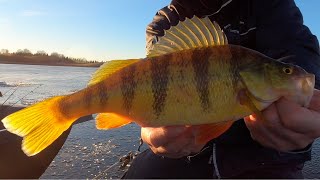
(25, 56)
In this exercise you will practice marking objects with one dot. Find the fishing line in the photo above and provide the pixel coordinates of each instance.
(39, 85)
(125, 160)
(19, 84)
(9, 97)
(1, 108)
(9, 90)
(14, 88)
(104, 172)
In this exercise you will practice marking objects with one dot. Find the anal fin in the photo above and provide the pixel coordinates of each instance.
(111, 120)
(208, 132)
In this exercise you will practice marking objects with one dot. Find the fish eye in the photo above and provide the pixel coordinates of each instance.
(287, 70)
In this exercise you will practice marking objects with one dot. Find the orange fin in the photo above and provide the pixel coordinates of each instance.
(111, 120)
(208, 132)
(39, 125)
(109, 68)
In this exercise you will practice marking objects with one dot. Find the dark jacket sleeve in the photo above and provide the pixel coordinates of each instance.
(280, 32)
(163, 20)
(177, 11)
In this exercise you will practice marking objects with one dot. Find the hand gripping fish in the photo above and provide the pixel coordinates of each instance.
(192, 76)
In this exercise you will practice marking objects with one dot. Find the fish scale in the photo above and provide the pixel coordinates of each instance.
(192, 76)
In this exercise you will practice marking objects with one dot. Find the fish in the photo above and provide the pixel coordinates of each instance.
(192, 76)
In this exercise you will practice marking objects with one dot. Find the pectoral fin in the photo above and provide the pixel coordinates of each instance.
(208, 132)
(244, 98)
(111, 120)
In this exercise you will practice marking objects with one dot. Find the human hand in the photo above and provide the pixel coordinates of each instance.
(287, 126)
(172, 141)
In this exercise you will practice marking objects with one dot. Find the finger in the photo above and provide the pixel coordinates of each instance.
(267, 134)
(145, 135)
(297, 118)
(274, 135)
(315, 101)
(162, 152)
(182, 145)
(160, 136)
(283, 139)
(271, 115)
(168, 134)
(176, 145)
(174, 149)
(194, 148)
(187, 150)
(258, 132)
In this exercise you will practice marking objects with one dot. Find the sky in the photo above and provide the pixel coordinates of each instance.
(95, 29)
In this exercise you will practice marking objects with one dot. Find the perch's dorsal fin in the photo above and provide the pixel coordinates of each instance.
(188, 34)
(109, 68)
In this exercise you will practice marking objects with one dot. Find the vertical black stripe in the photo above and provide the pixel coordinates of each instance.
(80, 99)
(160, 76)
(200, 64)
(103, 94)
(87, 97)
(128, 86)
(239, 58)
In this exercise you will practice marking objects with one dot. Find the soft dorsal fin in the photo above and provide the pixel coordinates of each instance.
(109, 68)
(188, 34)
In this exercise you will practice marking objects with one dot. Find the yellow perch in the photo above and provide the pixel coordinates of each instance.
(191, 77)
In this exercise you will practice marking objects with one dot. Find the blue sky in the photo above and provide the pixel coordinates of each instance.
(95, 29)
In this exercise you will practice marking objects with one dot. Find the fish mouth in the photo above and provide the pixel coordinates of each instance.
(304, 88)
(306, 85)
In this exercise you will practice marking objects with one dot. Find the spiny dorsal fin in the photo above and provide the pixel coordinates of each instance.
(109, 68)
(188, 34)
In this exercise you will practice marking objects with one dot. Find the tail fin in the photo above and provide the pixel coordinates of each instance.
(39, 125)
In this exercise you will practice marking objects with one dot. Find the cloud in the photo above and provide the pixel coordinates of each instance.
(31, 13)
